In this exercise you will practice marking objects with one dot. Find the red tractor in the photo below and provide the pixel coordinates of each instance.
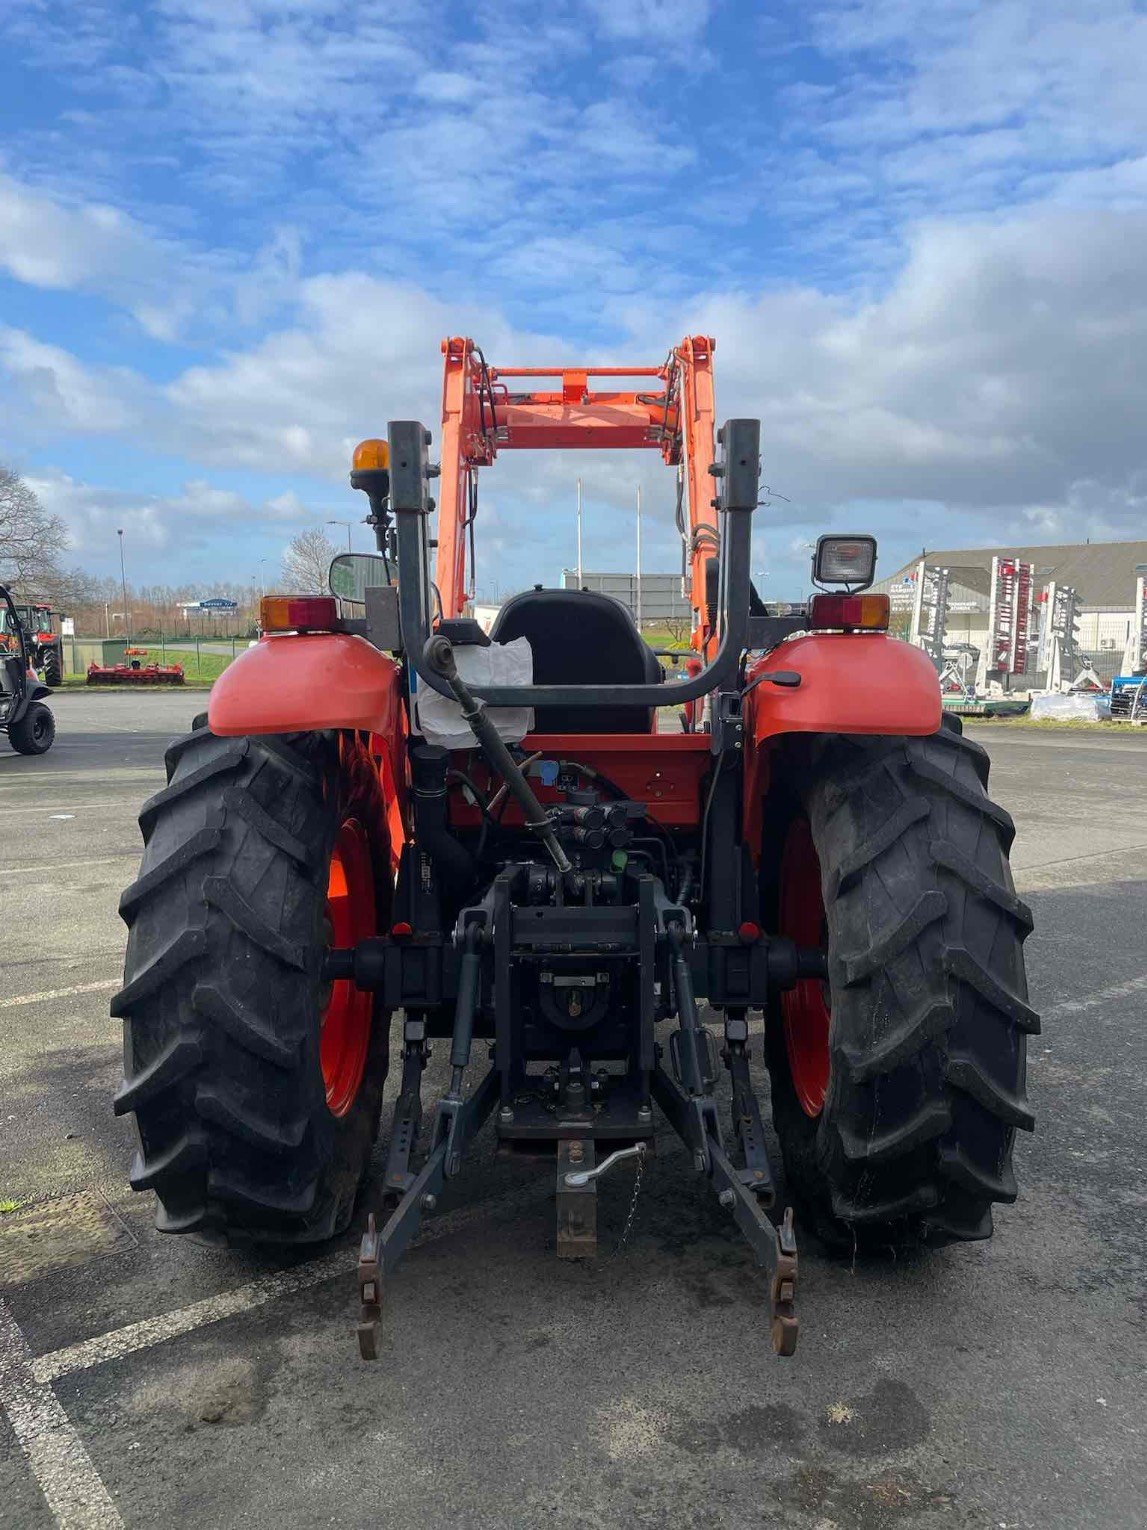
(394, 814)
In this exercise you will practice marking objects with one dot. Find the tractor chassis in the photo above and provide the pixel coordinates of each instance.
(571, 1111)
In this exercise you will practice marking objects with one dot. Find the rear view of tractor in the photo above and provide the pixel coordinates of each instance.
(390, 820)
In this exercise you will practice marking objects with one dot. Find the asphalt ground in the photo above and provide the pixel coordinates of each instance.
(151, 1381)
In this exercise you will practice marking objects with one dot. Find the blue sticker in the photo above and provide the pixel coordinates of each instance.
(548, 771)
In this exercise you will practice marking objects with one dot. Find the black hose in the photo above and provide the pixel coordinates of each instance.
(439, 656)
(453, 862)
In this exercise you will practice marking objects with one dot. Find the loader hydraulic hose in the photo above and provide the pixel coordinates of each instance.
(438, 655)
(453, 861)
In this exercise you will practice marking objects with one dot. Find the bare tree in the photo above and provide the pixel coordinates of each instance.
(31, 539)
(306, 562)
(680, 630)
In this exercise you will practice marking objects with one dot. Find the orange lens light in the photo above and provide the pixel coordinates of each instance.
(370, 456)
(298, 613)
(849, 613)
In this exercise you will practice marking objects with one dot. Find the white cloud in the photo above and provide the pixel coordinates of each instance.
(51, 241)
(1003, 371)
(1007, 362)
(963, 105)
(196, 516)
(51, 389)
(88, 247)
(673, 23)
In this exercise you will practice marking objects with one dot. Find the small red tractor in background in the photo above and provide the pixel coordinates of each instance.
(384, 814)
(45, 644)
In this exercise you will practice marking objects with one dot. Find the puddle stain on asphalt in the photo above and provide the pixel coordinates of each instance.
(52, 1235)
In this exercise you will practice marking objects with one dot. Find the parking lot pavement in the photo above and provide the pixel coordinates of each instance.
(150, 1381)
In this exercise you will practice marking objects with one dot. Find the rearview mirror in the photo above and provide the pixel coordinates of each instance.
(352, 574)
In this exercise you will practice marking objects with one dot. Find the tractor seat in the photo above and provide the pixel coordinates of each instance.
(580, 637)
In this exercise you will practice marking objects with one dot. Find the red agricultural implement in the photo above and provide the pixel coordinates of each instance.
(135, 672)
(395, 817)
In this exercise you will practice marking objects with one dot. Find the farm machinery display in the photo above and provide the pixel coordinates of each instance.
(137, 668)
(525, 866)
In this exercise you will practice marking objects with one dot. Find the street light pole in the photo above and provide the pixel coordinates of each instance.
(580, 580)
(348, 525)
(123, 586)
(638, 558)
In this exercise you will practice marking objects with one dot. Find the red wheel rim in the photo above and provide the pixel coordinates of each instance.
(345, 1035)
(805, 1009)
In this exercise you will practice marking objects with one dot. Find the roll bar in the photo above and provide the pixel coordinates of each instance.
(736, 474)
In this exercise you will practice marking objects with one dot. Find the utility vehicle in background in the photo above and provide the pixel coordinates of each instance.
(24, 715)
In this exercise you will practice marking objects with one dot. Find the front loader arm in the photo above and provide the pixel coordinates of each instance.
(483, 414)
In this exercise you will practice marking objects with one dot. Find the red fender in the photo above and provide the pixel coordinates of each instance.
(301, 683)
(851, 682)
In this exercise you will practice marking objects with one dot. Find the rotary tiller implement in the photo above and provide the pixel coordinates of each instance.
(134, 671)
(391, 812)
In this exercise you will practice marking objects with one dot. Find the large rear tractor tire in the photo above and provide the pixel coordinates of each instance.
(897, 1085)
(256, 1089)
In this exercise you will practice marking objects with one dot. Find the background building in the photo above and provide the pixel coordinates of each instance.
(661, 597)
(1102, 573)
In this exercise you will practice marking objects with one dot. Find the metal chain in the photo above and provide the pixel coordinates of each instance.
(627, 1229)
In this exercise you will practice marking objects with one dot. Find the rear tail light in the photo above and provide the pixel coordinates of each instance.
(849, 613)
(298, 613)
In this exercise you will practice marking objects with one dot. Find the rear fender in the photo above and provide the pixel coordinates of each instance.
(309, 682)
(851, 682)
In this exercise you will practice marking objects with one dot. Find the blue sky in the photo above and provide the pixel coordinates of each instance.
(233, 232)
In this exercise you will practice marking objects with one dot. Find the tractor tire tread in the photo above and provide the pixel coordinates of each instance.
(885, 837)
(180, 1056)
(228, 760)
(888, 944)
(930, 1014)
(244, 1026)
(223, 990)
(200, 843)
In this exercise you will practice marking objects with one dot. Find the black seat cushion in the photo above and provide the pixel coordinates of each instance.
(579, 637)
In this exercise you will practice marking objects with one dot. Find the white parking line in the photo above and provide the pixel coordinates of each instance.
(212, 1309)
(105, 985)
(104, 860)
(62, 807)
(1100, 996)
(62, 1467)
